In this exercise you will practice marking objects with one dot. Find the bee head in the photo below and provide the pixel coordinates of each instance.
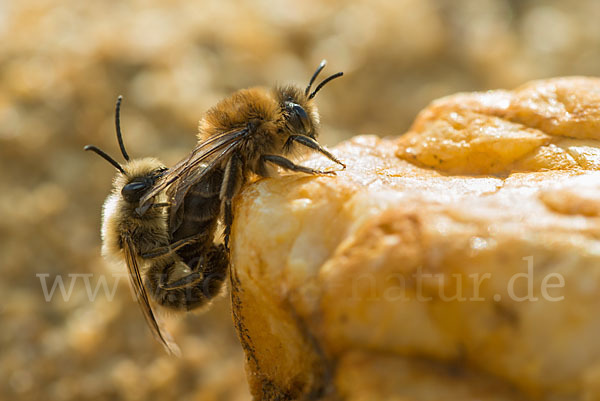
(140, 176)
(298, 109)
(136, 176)
(133, 191)
(298, 120)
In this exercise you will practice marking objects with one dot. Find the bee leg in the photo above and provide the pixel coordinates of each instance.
(185, 281)
(228, 217)
(210, 265)
(232, 182)
(311, 143)
(164, 250)
(163, 204)
(290, 165)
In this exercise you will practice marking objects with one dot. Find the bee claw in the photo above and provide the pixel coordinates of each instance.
(325, 173)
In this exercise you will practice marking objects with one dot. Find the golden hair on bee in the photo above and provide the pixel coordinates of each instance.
(119, 216)
(253, 104)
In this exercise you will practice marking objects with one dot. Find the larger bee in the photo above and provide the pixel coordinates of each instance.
(161, 267)
(242, 135)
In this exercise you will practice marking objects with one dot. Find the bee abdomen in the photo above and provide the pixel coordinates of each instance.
(209, 282)
(193, 253)
(204, 216)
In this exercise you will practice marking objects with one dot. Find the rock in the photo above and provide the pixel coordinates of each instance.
(458, 261)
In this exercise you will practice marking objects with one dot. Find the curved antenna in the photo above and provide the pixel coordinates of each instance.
(105, 157)
(317, 72)
(323, 82)
(118, 126)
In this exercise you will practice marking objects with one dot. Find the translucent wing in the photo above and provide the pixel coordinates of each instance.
(201, 161)
(135, 278)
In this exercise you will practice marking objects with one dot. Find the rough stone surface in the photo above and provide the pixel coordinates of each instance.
(459, 261)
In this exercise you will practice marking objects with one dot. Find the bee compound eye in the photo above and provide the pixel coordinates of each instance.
(298, 118)
(134, 191)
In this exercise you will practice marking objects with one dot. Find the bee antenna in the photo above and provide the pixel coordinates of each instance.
(323, 82)
(118, 126)
(105, 157)
(312, 79)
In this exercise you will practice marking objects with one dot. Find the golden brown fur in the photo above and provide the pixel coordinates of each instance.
(254, 104)
(261, 108)
(119, 217)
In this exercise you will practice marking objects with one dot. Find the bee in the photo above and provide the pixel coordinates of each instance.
(161, 268)
(246, 134)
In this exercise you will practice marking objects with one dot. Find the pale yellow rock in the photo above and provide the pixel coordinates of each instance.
(460, 261)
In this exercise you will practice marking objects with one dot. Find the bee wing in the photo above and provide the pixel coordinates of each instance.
(135, 278)
(203, 159)
(177, 191)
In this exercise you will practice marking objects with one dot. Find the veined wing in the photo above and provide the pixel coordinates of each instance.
(189, 170)
(177, 191)
(135, 278)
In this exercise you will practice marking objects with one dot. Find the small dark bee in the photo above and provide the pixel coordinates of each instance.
(244, 134)
(159, 264)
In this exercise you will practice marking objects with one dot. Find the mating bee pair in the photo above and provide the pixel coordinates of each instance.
(161, 221)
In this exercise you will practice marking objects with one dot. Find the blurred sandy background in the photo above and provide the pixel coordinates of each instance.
(64, 62)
